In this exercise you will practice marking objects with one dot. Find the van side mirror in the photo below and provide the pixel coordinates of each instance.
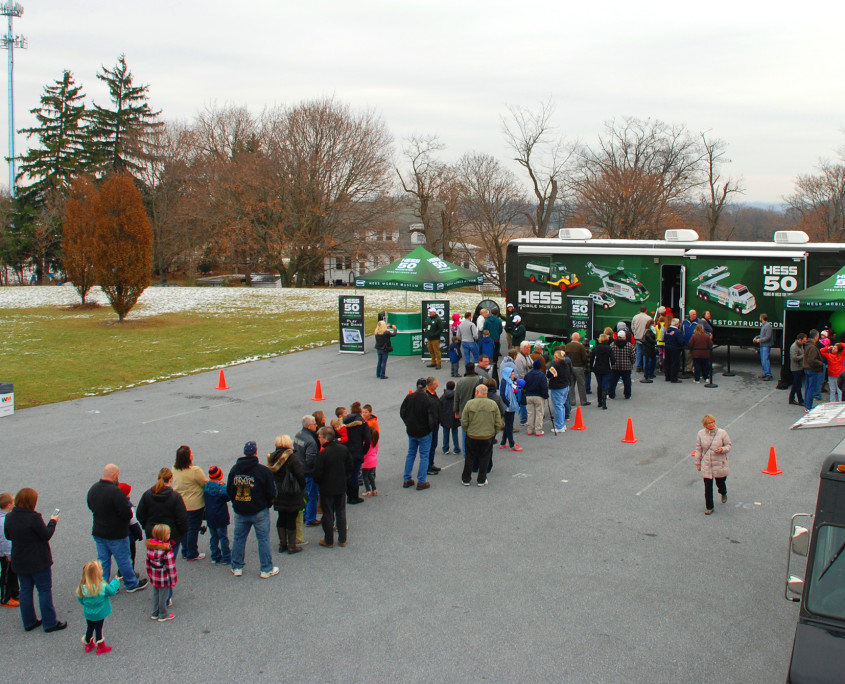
(799, 547)
(800, 540)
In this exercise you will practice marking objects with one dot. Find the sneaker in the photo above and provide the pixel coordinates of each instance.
(446, 451)
(153, 617)
(697, 382)
(169, 602)
(561, 429)
(457, 452)
(516, 447)
(529, 433)
(465, 484)
(200, 556)
(142, 584)
(538, 434)
(724, 498)
(238, 572)
(11, 603)
(482, 484)
(270, 573)
(503, 446)
(709, 511)
(167, 617)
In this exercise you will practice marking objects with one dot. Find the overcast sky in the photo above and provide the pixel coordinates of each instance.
(766, 78)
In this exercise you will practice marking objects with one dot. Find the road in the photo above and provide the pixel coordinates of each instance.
(585, 560)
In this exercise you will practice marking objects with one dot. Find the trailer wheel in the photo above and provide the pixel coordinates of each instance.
(737, 309)
(563, 287)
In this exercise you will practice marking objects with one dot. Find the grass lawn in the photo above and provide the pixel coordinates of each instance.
(54, 354)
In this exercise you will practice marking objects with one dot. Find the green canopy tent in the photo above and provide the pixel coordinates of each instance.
(814, 307)
(419, 271)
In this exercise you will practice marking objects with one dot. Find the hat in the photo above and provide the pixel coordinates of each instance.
(537, 364)
(250, 449)
(214, 473)
(125, 488)
(431, 309)
(517, 319)
(538, 343)
(621, 325)
(509, 304)
(456, 316)
(621, 334)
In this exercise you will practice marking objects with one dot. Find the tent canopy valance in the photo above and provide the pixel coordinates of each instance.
(827, 295)
(421, 271)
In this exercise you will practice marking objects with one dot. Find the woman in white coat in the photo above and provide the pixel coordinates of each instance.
(711, 459)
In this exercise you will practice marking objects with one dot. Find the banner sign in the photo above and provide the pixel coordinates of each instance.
(351, 323)
(442, 308)
(7, 399)
(580, 316)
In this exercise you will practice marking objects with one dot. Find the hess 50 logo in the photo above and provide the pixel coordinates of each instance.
(534, 297)
(783, 278)
(351, 306)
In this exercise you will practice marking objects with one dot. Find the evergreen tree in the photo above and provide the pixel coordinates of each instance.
(122, 134)
(63, 140)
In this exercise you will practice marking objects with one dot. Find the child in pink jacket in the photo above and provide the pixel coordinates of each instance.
(368, 468)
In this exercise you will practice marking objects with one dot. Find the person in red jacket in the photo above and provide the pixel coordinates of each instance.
(835, 357)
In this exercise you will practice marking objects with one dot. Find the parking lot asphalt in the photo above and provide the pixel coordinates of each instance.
(585, 560)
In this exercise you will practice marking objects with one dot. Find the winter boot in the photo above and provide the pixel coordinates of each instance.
(89, 645)
(102, 648)
(292, 547)
(283, 539)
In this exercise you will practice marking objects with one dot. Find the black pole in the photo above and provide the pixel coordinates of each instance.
(728, 373)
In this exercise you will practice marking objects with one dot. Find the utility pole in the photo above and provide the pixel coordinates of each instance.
(9, 42)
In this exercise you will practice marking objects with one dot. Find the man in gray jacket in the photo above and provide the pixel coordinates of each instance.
(765, 339)
(305, 447)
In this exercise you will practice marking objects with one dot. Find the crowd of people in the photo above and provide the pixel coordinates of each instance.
(322, 468)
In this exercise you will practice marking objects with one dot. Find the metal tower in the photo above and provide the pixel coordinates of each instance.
(9, 42)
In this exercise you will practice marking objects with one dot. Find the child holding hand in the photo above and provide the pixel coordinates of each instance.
(93, 593)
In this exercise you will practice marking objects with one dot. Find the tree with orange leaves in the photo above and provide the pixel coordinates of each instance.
(83, 214)
(124, 243)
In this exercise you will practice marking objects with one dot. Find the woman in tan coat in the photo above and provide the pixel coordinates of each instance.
(189, 480)
(711, 459)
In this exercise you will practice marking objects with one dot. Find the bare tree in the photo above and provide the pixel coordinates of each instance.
(820, 202)
(491, 201)
(716, 196)
(632, 184)
(545, 157)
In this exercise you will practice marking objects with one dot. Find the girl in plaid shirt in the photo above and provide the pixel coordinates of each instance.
(161, 569)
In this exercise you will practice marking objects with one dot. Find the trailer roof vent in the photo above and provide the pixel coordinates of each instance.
(791, 237)
(680, 236)
(575, 234)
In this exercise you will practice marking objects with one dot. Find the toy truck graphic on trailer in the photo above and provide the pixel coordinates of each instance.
(619, 283)
(556, 275)
(735, 297)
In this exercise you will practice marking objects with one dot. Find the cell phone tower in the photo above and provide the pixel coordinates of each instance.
(9, 42)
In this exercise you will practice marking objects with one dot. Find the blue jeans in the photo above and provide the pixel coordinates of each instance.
(454, 433)
(313, 491)
(218, 544)
(243, 523)
(813, 380)
(381, 366)
(523, 414)
(507, 433)
(559, 397)
(470, 351)
(43, 581)
(764, 361)
(638, 364)
(423, 444)
(189, 547)
(650, 365)
(119, 548)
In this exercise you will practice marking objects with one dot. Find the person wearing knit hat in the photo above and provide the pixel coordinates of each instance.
(217, 516)
(136, 534)
(251, 489)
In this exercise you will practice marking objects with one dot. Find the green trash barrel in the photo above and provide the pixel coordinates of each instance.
(408, 340)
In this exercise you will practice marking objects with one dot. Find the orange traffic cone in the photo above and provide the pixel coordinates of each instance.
(318, 393)
(579, 421)
(221, 383)
(629, 433)
(772, 468)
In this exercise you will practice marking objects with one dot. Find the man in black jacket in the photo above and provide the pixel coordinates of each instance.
(251, 489)
(331, 472)
(421, 418)
(358, 444)
(111, 527)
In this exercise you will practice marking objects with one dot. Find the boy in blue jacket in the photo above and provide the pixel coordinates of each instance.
(217, 516)
(455, 356)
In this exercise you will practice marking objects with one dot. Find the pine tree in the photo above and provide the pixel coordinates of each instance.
(63, 140)
(121, 134)
(123, 243)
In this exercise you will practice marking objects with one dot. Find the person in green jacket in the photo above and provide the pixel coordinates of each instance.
(481, 420)
(93, 593)
(519, 331)
(433, 332)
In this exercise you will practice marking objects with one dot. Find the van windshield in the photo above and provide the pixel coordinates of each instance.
(825, 591)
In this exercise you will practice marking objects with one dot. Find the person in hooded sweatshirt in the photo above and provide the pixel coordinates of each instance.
(163, 505)
(507, 392)
(448, 422)
(624, 355)
(252, 489)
